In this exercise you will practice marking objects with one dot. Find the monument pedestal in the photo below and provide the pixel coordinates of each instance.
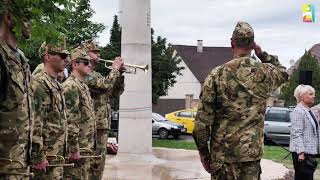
(126, 166)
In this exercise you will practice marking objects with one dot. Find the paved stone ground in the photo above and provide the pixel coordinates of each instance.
(172, 164)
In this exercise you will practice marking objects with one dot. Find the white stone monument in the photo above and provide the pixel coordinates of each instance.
(135, 121)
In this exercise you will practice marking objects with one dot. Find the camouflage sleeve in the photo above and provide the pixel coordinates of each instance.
(73, 116)
(41, 103)
(118, 87)
(275, 71)
(205, 114)
(105, 84)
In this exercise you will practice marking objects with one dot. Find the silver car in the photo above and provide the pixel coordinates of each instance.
(277, 125)
(163, 127)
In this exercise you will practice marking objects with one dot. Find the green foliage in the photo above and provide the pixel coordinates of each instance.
(307, 63)
(113, 49)
(165, 67)
(164, 63)
(78, 27)
(55, 18)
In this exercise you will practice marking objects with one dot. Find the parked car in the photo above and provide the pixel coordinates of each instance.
(163, 127)
(277, 125)
(184, 117)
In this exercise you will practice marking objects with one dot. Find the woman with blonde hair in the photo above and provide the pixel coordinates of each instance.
(304, 137)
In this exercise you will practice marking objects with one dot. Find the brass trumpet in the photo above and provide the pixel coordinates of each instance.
(12, 161)
(16, 173)
(61, 159)
(87, 151)
(130, 68)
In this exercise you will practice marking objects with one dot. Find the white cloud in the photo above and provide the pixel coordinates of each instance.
(277, 23)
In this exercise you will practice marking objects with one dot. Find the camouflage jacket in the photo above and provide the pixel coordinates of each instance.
(49, 136)
(231, 108)
(38, 69)
(80, 115)
(102, 90)
(16, 107)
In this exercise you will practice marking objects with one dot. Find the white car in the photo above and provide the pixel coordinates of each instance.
(163, 127)
(277, 125)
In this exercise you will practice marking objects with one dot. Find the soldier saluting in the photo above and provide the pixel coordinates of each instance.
(231, 109)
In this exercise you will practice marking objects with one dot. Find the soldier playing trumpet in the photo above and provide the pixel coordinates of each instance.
(102, 90)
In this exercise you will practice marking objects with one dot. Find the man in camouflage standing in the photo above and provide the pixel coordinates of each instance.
(80, 114)
(102, 90)
(16, 109)
(49, 137)
(231, 109)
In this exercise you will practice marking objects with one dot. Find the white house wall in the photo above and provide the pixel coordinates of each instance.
(187, 83)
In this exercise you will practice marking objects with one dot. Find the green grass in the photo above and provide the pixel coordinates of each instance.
(174, 144)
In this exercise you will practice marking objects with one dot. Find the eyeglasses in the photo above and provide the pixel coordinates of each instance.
(84, 61)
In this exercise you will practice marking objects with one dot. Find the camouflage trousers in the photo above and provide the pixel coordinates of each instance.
(97, 165)
(250, 170)
(80, 171)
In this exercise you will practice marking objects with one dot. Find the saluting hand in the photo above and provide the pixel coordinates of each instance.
(258, 51)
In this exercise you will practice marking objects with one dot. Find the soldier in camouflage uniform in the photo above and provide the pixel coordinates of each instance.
(80, 114)
(102, 90)
(62, 76)
(16, 107)
(231, 109)
(49, 137)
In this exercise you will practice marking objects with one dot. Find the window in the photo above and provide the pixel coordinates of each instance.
(278, 116)
(185, 114)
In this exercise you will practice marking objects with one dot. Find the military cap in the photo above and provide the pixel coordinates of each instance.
(243, 34)
(90, 45)
(52, 49)
(79, 53)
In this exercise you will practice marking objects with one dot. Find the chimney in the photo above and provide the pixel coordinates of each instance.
(200, 46)
(189, 99)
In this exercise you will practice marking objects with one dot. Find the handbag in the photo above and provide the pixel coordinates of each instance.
(309, 164)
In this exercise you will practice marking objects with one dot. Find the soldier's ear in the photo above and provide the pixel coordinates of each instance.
(46, 57)
(8, 19)
(232, 44)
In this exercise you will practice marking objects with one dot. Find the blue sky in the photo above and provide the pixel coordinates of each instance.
(277, 23)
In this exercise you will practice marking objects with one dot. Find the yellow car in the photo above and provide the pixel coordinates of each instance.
(185, 117)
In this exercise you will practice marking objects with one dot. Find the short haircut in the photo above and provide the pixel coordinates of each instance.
(302, 90)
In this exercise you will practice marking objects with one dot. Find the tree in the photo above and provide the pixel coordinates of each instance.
(113, 49)
(78, 27)
(164, 62)
(307, 63)
(165, 67)
(53, 19)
